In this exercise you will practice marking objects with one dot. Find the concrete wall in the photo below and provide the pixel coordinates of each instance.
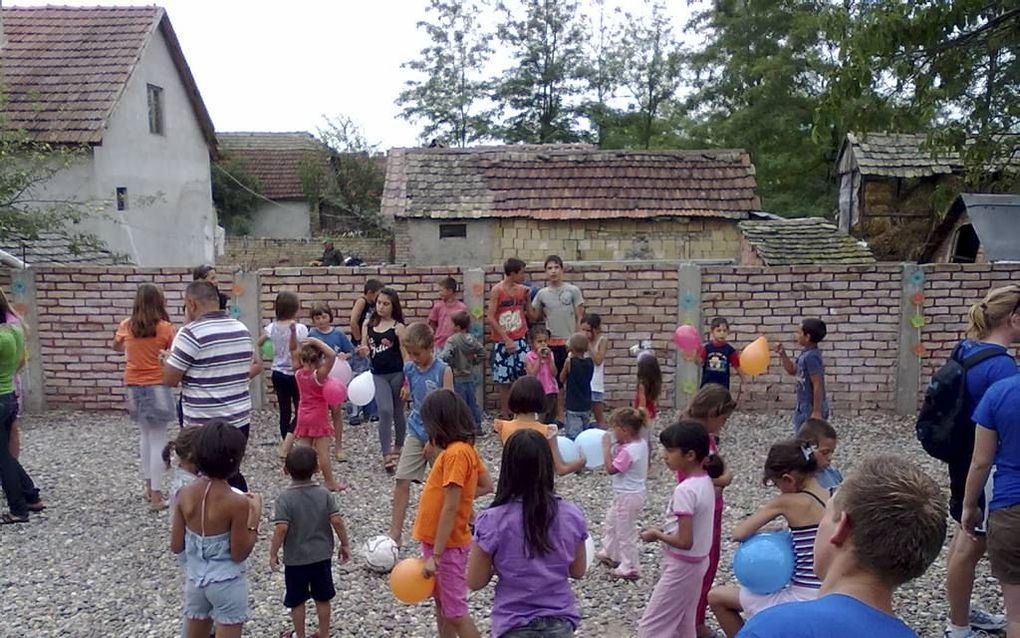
(418, 243)
(253, 253)
(282, 220)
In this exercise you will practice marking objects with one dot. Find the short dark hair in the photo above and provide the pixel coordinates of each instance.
(594, 320)
(372, 285)
(286, 305)
(578, 342)
(791, 455)
(219, 449)
(199, 273)
(816, 429)
(202, 292)
(447, 418)
(512, 265)
(686, 435)
(719, 322)
(814, 329)
(461, 319)
(302, 463)
(526, 396)
(322, 308)
(449, 283)
(553, 259)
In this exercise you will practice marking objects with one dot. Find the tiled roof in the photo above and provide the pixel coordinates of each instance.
(567, 182)
(54, 249)
(65, 68)
(806, 240)
(899, 155)
(274, 158)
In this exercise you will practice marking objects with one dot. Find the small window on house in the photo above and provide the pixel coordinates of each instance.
(121, 198)
(450, 231)
(966, 246)
(156, 124)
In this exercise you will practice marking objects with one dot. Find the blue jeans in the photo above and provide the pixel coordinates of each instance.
(466, 391)
(545, 627)
(17, 484)
(803, 412)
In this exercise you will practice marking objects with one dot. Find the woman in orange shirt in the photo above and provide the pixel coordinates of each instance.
(141, 337)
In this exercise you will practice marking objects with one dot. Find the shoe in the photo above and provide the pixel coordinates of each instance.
(971, 633)
(374, 418)
(986, 621)
(354, 420)
(619, 573)
(604, 559)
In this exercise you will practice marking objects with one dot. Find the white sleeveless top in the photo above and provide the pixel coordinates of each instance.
(598, 378)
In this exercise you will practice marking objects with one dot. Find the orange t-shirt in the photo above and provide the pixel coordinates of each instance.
(142, 355)
(505, 428)
(459, 464)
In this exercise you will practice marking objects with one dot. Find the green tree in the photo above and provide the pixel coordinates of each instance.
(447, 100)
(351, 191)
(235, 193)
(601, 71)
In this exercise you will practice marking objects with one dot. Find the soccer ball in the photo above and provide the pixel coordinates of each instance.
(380, 553)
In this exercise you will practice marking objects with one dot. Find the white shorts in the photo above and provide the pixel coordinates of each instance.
(752, 603)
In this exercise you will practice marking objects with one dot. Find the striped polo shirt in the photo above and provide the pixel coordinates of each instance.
(215, 353)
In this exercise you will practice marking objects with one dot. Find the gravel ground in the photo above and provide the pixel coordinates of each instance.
(97, 563)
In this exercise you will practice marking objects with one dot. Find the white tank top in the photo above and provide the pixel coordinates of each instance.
(598, 378)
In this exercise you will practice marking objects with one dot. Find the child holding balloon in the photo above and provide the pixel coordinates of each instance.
(323, 330)
(628, 465)
(790, 467)
(312, 363)
(278, 334)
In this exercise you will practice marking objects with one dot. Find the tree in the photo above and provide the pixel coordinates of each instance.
(235, 194)
(447, 100)
(351, 192)
(537, 96)
(601, 71)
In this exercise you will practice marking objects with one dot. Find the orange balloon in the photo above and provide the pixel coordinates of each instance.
(408, 583)
(754, 359)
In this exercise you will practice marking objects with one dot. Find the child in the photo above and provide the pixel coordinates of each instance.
(462, 353)
(591, 326)
(883, 528)
(323, 330)
(509, 308)
(284, 384)
(810, 372)
(445, 508)
(822, 438)
(790, 467)
(576, 377)
(305, 520)
(313, 362)
(361, 312)
(686, 535)
(380, 341)
(540, 364)
(718, 357)
(527, 400)
(444, 308)
(425, 374)
(649, 385)
(628, 465)
(533, 540)
(216, 529)
(183, 447)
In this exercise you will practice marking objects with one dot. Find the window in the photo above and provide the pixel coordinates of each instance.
(965, 248)
(156, 124)
(121, 198)
(450, 231)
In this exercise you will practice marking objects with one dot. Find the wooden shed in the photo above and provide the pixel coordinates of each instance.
(978, 228)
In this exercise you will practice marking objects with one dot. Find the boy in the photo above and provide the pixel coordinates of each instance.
(422, 374)
(443, 309)
(718, 357)
(509, 308)
(822, 437)
(576, 377)
(360, 313)
(304, 514)
(883, 528)
(561, 305)
(323, 330)
(462, 353)
(810, 372)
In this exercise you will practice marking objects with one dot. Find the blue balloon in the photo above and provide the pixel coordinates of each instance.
(764, 562)
(568, 449)
(590, 442)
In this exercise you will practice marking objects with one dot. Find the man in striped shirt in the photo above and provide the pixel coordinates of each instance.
(212, 359)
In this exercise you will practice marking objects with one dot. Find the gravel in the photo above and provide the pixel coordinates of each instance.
(97, 563)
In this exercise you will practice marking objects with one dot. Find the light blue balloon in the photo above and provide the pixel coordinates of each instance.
(764, 562)
(568, 449)
(590, 442)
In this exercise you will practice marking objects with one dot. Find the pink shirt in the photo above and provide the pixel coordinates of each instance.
(440, 315)
(695, 497)
(545, 373)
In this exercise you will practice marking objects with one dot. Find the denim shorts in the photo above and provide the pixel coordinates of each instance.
(597, 397)
(151, 405)
(226, 602)
(575, 423)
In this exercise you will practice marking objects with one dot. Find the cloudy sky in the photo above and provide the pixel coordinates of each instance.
(281, 66)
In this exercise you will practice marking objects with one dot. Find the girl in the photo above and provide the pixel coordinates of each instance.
(628, 466)
(649, 384)
(141, 338)
(216, 529)
(686, 535)
(313, 361)
(540, 364)
(445, 507)
(533, 540)
(183, 447)
(22, 494)
(591, 326)
(14, 319)
(284, 384)
(791, 468)
(381, 342)
(526, 401)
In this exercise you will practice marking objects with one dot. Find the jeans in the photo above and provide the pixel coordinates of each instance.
(545, 627)
(17, 484)
(237, 480)
(466, 390)
(391, 410)
(286, 389)
(575, 423)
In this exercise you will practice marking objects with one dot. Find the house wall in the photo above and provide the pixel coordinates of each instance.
(418, 243)
(287, 219)
(748, 255)
(252, 253)
(945, 251)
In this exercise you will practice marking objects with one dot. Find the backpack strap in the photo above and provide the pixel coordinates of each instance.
(986, 354)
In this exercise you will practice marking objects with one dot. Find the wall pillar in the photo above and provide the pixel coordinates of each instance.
(474, 299)
(23, 300)
(908, 363)
(245, 306)
(688, 312)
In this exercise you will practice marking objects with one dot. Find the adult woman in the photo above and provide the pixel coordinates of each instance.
(141, 337)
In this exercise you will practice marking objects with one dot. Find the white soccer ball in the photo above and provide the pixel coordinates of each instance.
(380, 553)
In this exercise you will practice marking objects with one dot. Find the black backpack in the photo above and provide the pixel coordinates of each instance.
(944, 426)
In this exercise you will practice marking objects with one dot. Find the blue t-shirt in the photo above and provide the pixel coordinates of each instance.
(717, 358)
(831, 616)
(809, 363)
(829, 478)
(335, 339)
(421, 383)
(983, 375)
(998, 411)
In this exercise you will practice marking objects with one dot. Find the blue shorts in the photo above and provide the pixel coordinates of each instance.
(575, 423)
(597, 397)
(226, 602)
(803, 412)
(507, 367)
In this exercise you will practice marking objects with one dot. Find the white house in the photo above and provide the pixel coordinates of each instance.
(114, 80)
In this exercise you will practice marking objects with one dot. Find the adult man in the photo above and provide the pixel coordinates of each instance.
(562, 306)
(330, 255)
(212, 359)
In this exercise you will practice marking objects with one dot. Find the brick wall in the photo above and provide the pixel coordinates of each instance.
(254, 253)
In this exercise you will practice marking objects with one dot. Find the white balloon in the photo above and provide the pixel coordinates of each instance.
(568, 449)
(361, 390)
(342, 371)
(590, 442)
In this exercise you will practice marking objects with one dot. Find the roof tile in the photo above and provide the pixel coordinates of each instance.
(806, 240)
(274, 158)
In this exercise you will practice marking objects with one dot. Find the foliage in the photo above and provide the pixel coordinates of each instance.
(351, 192)
(601, 71)
(235, 194)
(447, 100)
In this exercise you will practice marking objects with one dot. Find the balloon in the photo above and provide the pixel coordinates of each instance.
(764, 562)
(687, 339)
(754, 359)
(361, 389)
(408, 583)
(334, 391)
(589, 551)
(590, 442)
(341, 371)
(267, 349)
(568, 449)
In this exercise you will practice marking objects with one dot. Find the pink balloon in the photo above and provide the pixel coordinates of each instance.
(687, 339)
(334, 391)
(342, 371)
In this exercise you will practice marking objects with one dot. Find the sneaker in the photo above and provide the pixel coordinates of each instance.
(971, 633)
(986, 621)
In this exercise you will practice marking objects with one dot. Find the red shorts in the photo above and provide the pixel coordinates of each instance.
(451, 581)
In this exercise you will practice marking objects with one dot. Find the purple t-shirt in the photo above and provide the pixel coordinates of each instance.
(530, 587)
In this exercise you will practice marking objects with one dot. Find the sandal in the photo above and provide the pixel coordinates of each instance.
(36, 507)
(389, 464)
(10, 519)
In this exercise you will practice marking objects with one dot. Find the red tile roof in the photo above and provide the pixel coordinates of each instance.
(274, 158)
(65, 68)
(568, 182)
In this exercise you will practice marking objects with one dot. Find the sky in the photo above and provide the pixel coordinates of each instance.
(282, 66)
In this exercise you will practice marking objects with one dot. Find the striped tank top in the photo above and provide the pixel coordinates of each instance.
(804, 553)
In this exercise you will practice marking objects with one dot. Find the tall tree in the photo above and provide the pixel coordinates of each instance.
(538, 95)
(447, 100)
(351, 192)
(601, 70)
